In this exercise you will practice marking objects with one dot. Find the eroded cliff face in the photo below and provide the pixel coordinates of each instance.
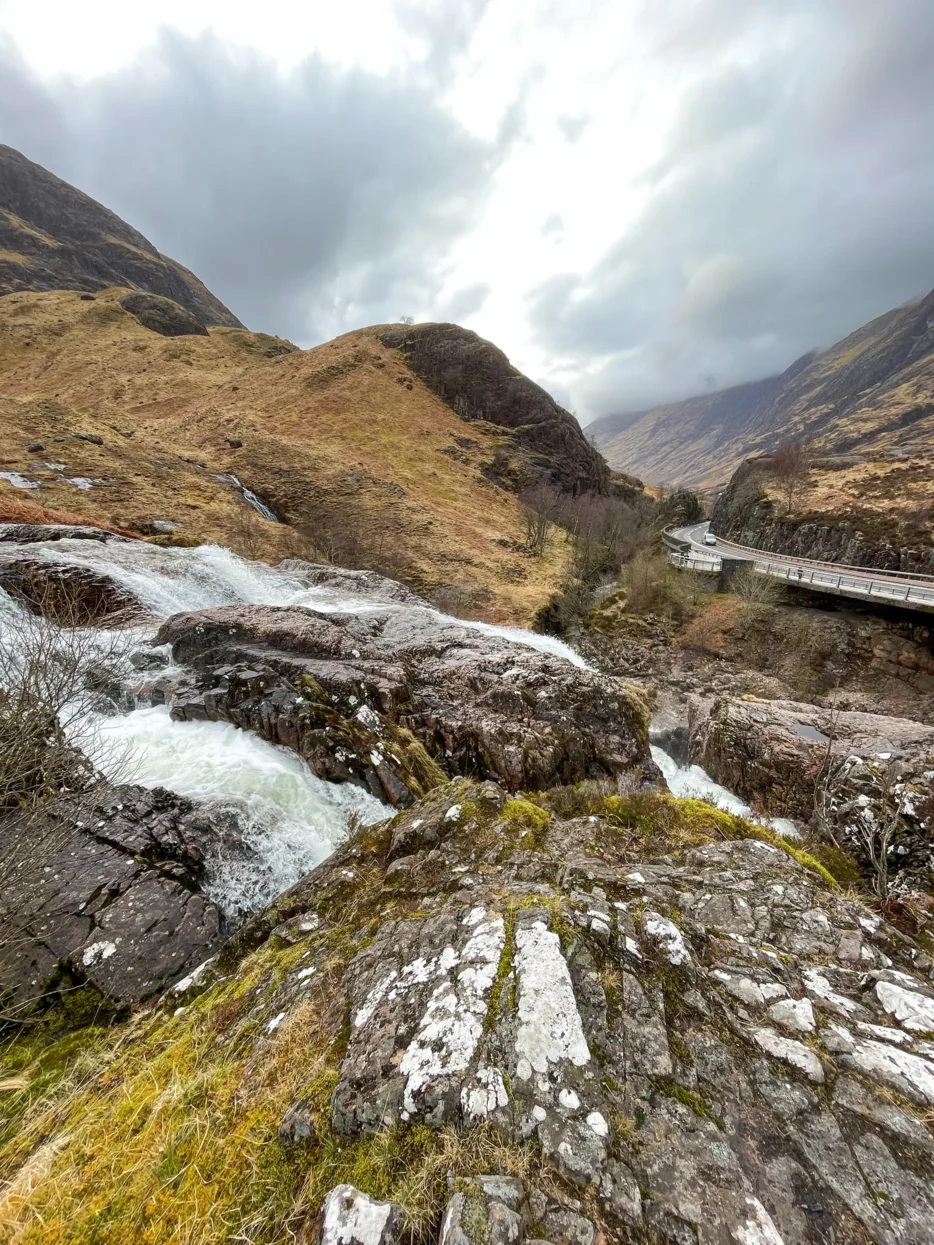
(597, 1016)
(870, 526)
(479, 383)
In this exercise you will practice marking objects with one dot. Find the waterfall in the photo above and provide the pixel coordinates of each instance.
(292, 820)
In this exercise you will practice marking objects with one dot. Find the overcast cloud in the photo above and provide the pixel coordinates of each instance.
(638, 201)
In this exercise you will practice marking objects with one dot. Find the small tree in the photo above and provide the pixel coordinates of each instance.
(791, 463)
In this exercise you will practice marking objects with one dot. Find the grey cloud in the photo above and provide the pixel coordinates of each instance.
(791, 202)
(465, 302)
(553, 226)
(310, 204)
(572, 127)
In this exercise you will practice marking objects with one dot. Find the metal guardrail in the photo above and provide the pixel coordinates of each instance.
(828, 576)
(696, 561)
(876, 573)
(861, 585)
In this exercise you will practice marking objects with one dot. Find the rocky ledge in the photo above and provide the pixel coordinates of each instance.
(398, 698)
(862, 780)
(111, 897)
(584, 1017)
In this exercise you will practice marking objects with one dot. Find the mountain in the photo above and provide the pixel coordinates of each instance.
(872, 392)
(54, 237)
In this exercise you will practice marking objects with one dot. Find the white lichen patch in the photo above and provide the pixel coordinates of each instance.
(550, 1029)
(791, 1052)
(452, 1023)
(796, 1015)
(597, 1124)
(97, 952)
(352, 1218)
(569, 1099)
(818, 987)
(453, 813)
(759, 1228)
(486, 1094)
(667, 937)
(908, 1073)
(912, 1010)
(369, 719)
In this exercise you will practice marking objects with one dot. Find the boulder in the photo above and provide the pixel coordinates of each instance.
(112, 897)
(399, 696)
(162, 315)
(858, 778)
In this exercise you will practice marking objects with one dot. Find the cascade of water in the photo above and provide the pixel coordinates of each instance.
(292, 819)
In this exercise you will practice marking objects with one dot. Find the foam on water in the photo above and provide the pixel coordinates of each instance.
(292, 819)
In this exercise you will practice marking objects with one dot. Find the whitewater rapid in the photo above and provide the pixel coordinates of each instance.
(291, 819)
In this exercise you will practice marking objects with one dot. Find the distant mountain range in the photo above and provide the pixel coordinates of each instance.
(870, 393)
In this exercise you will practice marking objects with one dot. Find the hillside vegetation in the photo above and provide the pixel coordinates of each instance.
(873, 392)
(344, 443)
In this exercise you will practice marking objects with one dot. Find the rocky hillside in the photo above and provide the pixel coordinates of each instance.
(105, 418)
(871, 392)
(477, 381)
(872, 511)
(54, 237)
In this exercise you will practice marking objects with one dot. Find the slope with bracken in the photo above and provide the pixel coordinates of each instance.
(872, 393)
(342, 439)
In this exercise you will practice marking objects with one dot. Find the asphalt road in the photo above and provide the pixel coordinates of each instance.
(821, 576)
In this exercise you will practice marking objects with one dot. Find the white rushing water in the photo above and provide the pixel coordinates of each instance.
(690, 781)
(292, 820)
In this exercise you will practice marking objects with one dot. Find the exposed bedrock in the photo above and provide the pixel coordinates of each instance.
(712, 1047)
(111, 897)
(854, 776)
(400, 697)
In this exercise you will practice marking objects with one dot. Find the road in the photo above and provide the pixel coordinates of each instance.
(913, 591)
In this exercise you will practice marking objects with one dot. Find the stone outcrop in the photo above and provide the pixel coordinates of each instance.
(398, 697)
(162, 315)
(54, 237)
(709, 1047)
(855, 776)
(112, 897)
(743, 516)
(478, 382)
(35, 533)
(71, 595)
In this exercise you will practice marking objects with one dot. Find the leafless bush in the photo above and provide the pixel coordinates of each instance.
(756, 590)
(791, 463)
(654, 586)
(374, 537)
(248, 532)
(541, 506)
(50, 676)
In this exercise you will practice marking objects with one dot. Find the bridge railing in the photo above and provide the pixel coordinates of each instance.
(873, 572)
(863, 585)
(695, 561)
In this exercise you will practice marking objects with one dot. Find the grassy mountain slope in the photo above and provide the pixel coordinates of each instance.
(342, 439)
(871, 393)
(55, 237)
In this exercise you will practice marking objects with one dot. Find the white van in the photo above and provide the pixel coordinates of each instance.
(709, 538)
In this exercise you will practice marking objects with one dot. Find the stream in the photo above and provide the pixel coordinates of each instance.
(292, 820)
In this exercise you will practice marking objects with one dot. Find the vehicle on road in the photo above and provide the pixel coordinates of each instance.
(709, 538)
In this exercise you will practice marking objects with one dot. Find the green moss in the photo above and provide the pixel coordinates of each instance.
(689, 1098)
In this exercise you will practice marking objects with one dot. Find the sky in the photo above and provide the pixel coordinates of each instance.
(637, 200)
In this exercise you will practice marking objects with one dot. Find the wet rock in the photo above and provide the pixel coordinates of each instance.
(339, 689)
(70, 595)
(114, 896)
(851, 774)
(33, 533)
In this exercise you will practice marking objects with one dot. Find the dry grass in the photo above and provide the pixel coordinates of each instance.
(346, 423)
